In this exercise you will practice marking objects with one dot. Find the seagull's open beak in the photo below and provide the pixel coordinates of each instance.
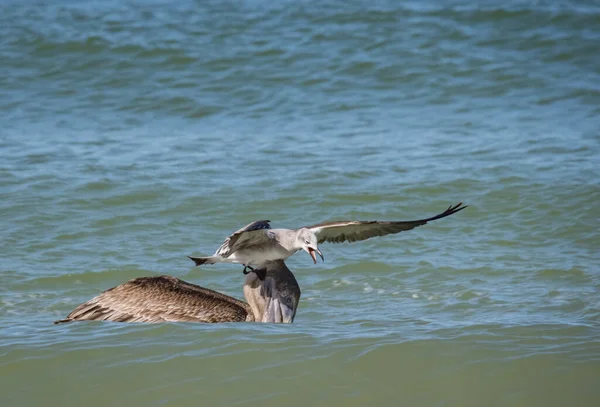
(312, 251)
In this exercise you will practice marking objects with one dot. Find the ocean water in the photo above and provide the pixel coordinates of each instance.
(135, 133)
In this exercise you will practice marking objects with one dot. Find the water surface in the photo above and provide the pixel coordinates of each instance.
(136, 133)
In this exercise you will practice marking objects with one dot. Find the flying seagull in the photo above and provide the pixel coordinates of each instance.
(257, 244)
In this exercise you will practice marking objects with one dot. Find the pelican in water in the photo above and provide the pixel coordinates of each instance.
(272, 294)
(256, 243)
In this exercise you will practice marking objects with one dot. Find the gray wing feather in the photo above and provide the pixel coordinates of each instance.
(246, 236)
(161, 299)
(352, 231)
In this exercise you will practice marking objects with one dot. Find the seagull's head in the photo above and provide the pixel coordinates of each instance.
(309, 243)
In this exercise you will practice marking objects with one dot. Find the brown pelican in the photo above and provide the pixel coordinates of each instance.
(257, 243)
(272, 294)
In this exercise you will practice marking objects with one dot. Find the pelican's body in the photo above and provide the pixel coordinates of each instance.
(272, 297)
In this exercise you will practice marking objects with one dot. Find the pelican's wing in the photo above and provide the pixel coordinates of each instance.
(247, 236)
(352, 231)
(161, 299)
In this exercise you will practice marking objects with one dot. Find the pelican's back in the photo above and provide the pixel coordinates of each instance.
(161, 299)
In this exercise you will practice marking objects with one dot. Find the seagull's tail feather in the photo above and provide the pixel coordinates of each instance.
(205, 260)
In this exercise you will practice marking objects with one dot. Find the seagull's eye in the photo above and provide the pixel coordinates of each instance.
(307, 242)
(289, 301)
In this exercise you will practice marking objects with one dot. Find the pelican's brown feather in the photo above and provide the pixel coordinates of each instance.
(161, 299)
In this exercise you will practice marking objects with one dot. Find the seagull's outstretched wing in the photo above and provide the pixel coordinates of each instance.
(246, 236)
(352, 231)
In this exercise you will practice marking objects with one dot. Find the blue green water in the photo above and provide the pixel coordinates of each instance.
(135, 133)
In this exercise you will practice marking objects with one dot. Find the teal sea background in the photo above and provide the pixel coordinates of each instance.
(135, 133)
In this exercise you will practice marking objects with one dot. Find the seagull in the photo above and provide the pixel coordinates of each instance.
(257, 244)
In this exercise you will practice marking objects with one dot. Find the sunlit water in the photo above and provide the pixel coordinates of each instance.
(134, 134)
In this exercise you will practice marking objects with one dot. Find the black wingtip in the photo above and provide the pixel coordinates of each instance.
(197, 260)
(459, 207)
(456, 208)
(450, 211)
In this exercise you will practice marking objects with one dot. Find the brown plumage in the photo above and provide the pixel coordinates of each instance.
(169, 299)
